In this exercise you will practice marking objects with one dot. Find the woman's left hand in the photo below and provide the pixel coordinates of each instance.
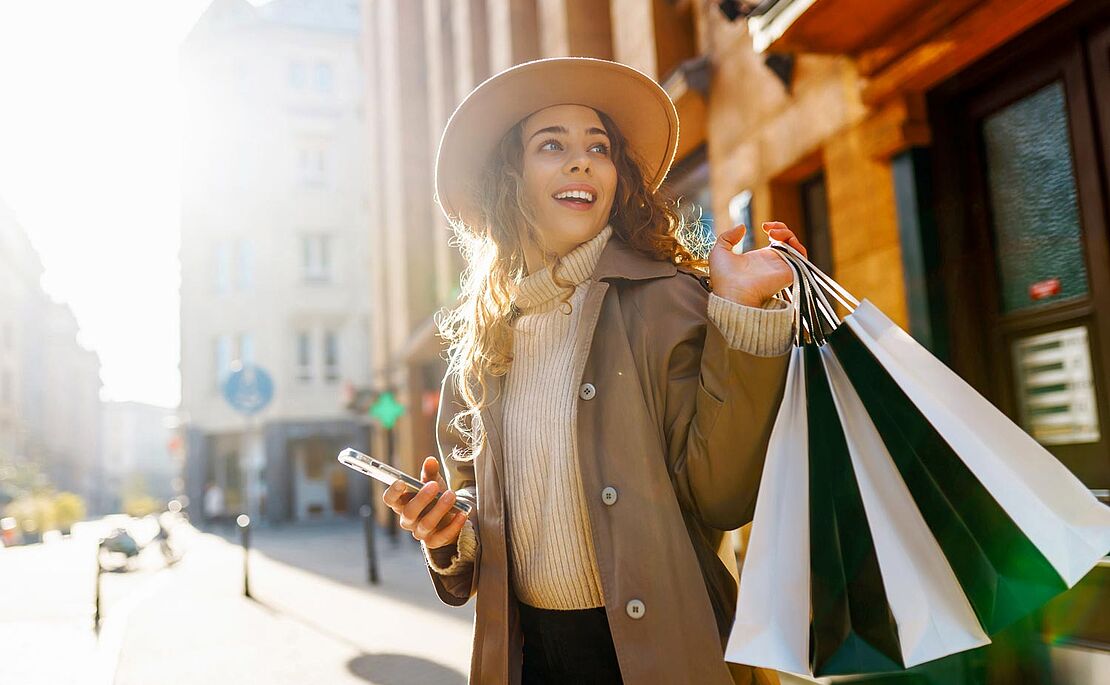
(751, 278)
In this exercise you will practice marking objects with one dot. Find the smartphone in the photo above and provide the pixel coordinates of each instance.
(387, 474)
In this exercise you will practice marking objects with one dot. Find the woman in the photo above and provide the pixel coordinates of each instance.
(604, 414)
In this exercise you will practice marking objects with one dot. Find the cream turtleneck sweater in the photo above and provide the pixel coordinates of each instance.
(554, 565)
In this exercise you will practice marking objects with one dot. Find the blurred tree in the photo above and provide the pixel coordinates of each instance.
(136, 501)
(34, 512)
(69, 508)
(141, 505)
(19, 477)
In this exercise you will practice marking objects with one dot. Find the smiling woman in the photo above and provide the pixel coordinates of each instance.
(611, 411)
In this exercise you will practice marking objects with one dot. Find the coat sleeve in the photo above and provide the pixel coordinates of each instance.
(725, 376)
(454, 567)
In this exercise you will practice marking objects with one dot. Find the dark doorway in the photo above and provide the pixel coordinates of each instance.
(1021, 158)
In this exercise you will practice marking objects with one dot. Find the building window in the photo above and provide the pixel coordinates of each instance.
(244, 252)
(740, 212)
(316, 265)
(246, 348)
(304, 356)
(331, 356)
(689, 183)
(222, 358)
(298, 75)
(324, 78)
(313, 164)
(815, 214)
(315, 461)
(223, 268)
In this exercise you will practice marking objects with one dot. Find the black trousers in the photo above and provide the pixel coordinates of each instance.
(567, 646)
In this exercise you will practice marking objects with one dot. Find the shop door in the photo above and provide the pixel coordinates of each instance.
(1037, 197)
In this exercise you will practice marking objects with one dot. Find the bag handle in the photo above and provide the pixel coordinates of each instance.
(801, 298)
(808, 295)
(822, 279)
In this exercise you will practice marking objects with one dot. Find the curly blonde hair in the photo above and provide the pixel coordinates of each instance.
(479, 329)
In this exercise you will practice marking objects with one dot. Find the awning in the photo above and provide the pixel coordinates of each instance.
(834, 26)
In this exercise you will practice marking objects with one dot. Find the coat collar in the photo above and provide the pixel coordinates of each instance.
(619, 260)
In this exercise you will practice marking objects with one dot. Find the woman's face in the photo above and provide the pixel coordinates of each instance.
(566, 148)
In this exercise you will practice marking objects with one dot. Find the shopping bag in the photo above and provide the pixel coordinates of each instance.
(771, 628)
(853, 627)
(933, 615)
(1052, 507)
(1004, 575)
(933, 519)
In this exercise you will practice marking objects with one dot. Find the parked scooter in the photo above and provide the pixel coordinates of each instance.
(117, 550)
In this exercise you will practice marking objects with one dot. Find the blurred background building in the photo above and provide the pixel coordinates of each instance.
(49, 383)
(275, 252)
(138, 455)
(946, 160)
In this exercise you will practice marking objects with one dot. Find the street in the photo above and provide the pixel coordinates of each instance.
(313, 617)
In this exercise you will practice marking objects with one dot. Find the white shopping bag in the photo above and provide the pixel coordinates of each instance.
(1051, 506)
(933, 615)
(771, 629)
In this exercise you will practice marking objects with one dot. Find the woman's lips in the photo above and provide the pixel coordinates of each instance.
(577, 206)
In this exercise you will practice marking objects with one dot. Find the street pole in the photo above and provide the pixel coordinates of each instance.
(249, 389)
(253, 459)
(244, 523)
(96, 607)
(368, 525)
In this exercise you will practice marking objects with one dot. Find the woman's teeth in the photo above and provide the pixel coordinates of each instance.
(581, 196)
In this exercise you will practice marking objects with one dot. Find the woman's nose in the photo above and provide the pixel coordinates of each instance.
(579, 163)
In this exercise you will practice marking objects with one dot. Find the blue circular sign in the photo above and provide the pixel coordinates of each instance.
(248, 389)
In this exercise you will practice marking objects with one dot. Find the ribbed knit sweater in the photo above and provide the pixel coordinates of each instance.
(554, 564)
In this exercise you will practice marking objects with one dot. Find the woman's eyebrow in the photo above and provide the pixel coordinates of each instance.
(593, 130)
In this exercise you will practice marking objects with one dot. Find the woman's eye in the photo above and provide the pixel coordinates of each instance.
(604, 148)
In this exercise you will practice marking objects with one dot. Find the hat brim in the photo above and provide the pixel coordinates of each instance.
(637, 104)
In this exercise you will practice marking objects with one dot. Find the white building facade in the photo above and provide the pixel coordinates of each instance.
(49, 383)
(274, 253)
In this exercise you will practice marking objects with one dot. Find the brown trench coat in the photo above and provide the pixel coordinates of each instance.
(679, 425)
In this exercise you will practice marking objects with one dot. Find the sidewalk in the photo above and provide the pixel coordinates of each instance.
(46, 612)
(313, 617)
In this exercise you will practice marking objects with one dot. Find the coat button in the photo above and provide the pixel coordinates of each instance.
(635, 608)
(609, 495)
(587, 391)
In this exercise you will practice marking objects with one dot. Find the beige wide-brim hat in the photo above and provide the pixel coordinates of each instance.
(637, 104)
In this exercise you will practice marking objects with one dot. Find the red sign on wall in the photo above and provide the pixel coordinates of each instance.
(1043, 289)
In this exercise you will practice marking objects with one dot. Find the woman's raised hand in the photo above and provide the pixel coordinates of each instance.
(436, 526)
(751, 278)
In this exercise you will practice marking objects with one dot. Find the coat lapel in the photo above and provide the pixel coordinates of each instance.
(617, 261)
(491, 423)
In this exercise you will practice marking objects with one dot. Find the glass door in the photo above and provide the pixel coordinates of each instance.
(1037, 197)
